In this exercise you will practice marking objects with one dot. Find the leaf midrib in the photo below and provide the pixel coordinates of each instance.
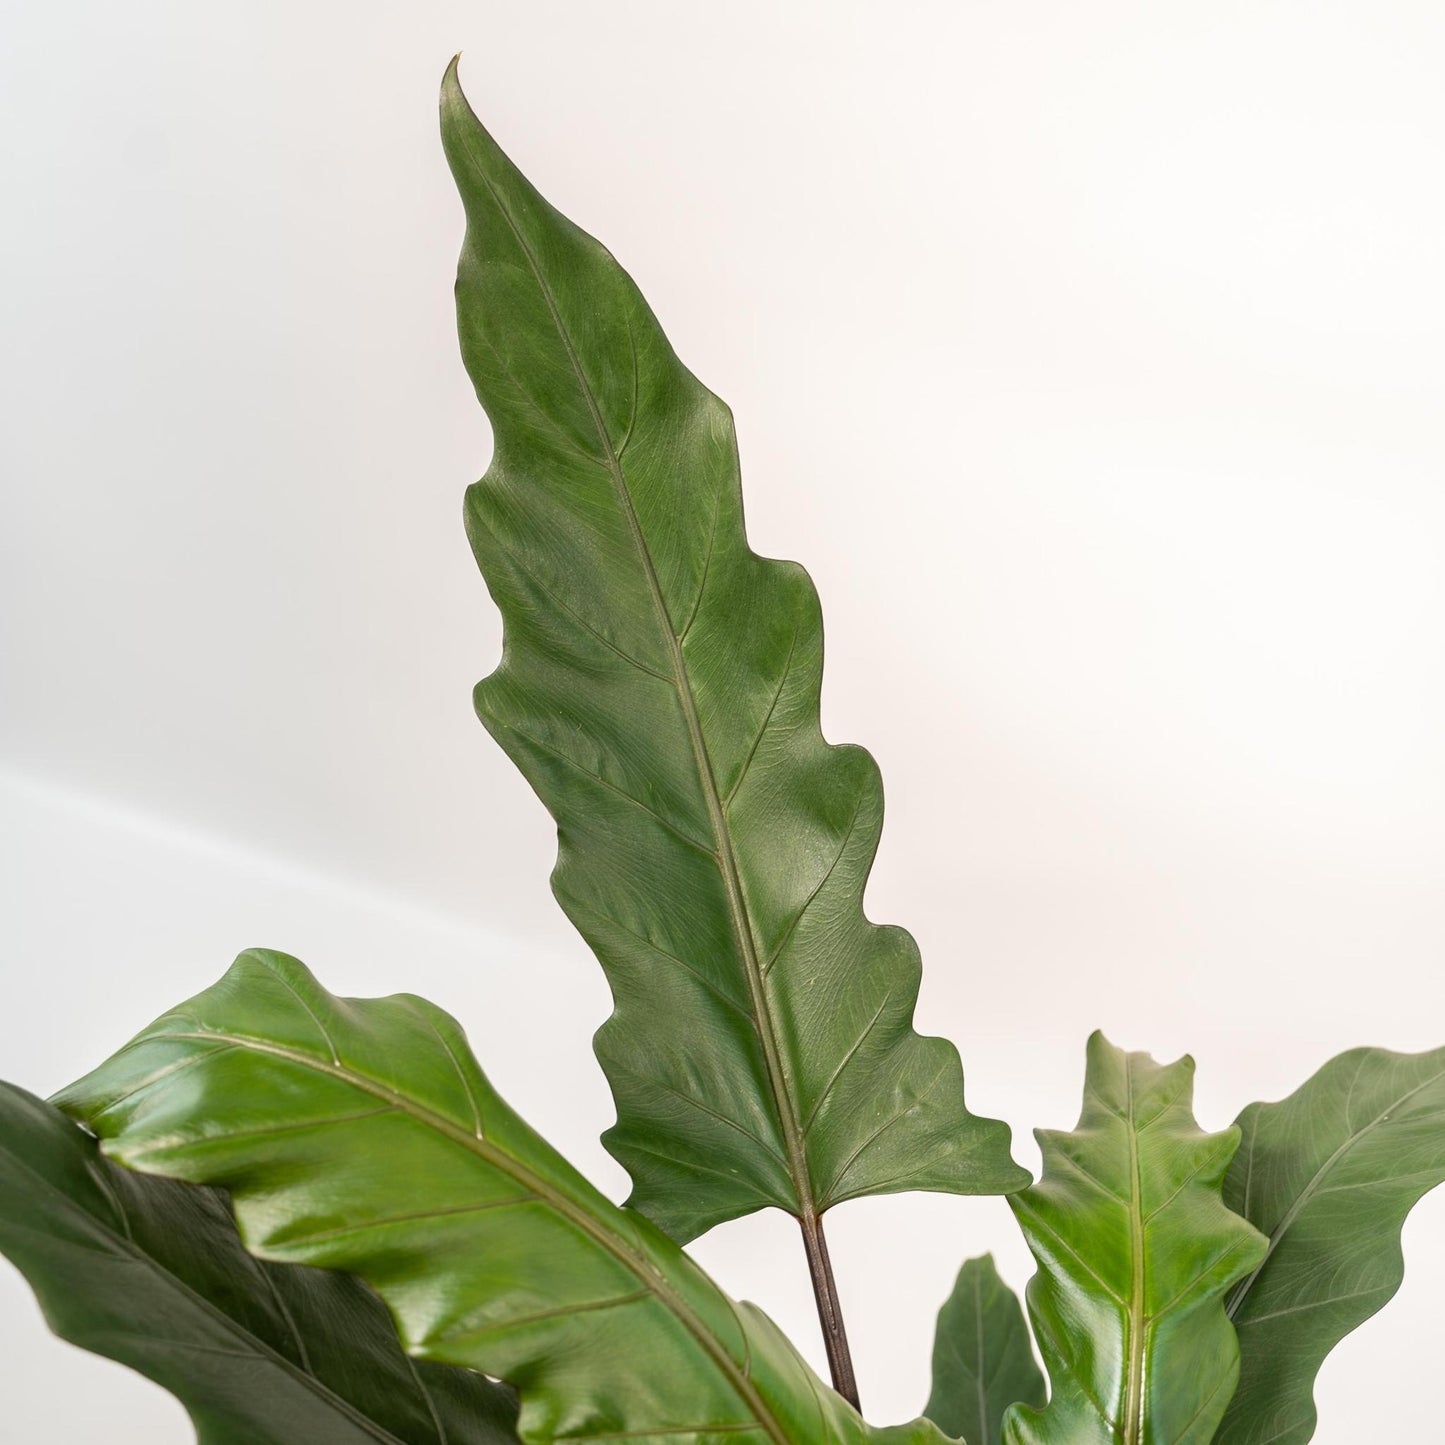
(982, 1393)
(1134, 1397)
(639, 1266)
(725, 855)
(256, 1345)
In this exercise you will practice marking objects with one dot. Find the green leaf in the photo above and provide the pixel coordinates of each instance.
(659, 689)
(1136, 1252)
(152, 1273)
(983, 1360)
(1329, 1174)
(361, 1135)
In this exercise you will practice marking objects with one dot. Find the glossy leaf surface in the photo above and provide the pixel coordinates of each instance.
(1329, 1174)
(151, 1273)
(361, 1135)
(1136, 1253)
(659, 689)
(983, 1359)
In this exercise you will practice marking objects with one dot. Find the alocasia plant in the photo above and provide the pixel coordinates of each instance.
(314, 1220)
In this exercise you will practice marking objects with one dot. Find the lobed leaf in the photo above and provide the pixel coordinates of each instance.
(659, 689)
(1329, 1175)
(983, 1359)
(361, 1135)
(1136, 1253)
(151, 1273)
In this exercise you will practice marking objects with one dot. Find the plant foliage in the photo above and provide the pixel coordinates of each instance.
(983, 1361)
(320, 1115)
(151, 1273)
(659, 689)
(1136, 1251)
(1329, 1175)
(315, 1221)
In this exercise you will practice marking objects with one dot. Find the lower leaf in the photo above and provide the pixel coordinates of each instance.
(1136, 1253)
(361, 1135)
(1329, 1174)
(151, 1273)
(983, 1360)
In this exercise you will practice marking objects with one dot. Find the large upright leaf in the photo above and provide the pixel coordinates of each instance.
(1329, 1174)
(1136, 1252)
(152, 1273)
(361, 1135)
(659, 689)
(983, 1359)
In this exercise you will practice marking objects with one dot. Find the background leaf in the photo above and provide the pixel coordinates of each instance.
(659, 689)
(1136, 1252)
(983, 1359)
(152, 1273)
(1329, 1174)
(361, 1135)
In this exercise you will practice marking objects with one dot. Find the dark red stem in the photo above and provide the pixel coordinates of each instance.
(830, 1316)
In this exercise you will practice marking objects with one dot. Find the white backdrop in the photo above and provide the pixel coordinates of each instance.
(1090, 356)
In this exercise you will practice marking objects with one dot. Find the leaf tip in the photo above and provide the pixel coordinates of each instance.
(454, 103)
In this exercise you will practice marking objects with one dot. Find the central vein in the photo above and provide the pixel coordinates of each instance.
(1134, 1400)
(784, 1106)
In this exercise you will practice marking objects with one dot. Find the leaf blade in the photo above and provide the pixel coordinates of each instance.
(659, 689)
(983, 1359)
(1136, 1253)
(1329, 1175)
(151, 1273)
(362, 1135)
